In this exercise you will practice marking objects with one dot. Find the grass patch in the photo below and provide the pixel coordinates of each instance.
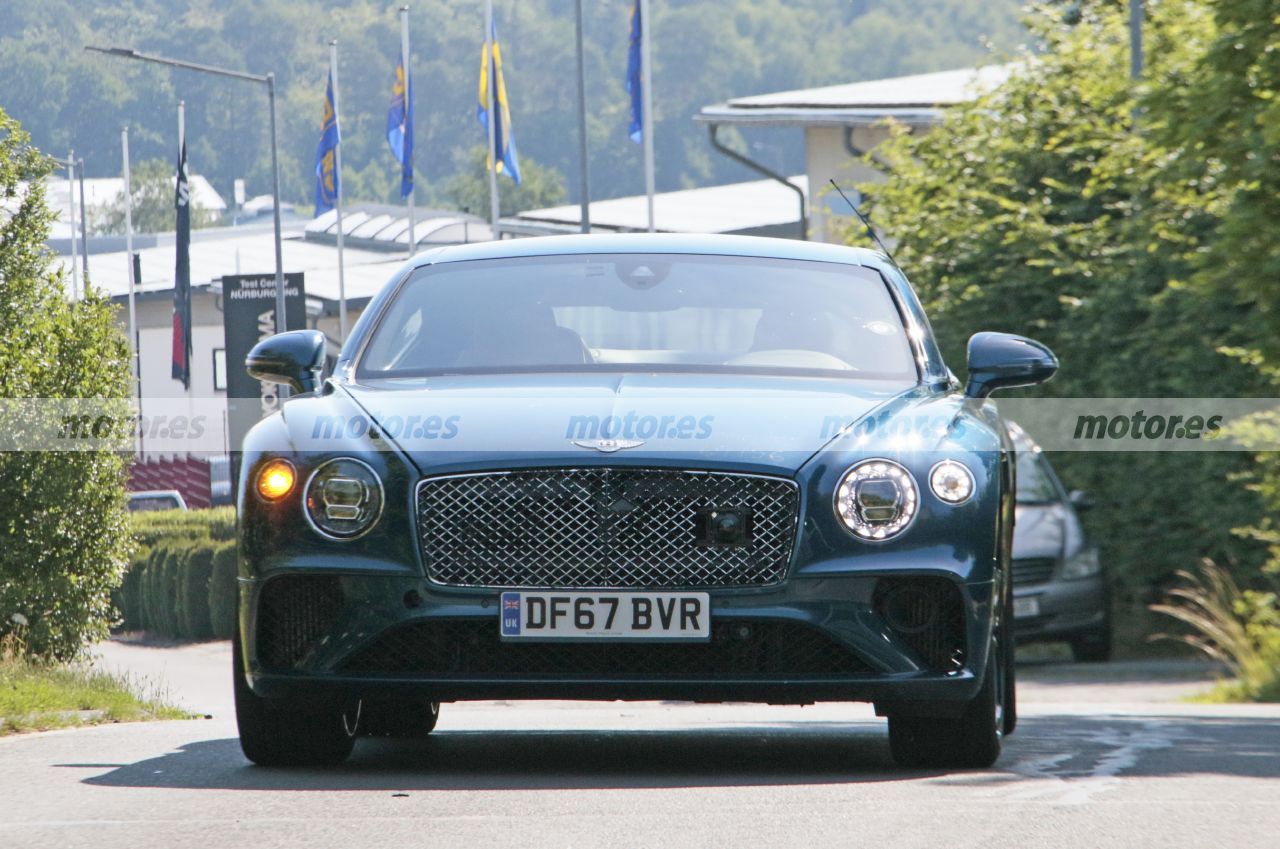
(37, 696)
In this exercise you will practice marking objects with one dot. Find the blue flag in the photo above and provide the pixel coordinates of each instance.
(328, 180)
(635, 79)
(400, 127)
(504, 147)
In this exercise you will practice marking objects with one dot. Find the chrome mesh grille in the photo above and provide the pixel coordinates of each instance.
(601, 528)
(1033, 570)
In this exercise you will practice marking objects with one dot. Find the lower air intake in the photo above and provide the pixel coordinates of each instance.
(928, 615)
(294, 612)
(737, 649)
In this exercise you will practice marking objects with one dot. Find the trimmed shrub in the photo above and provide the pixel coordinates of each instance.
(222, 591)
(194, 593)
(170, 588)
(150, 527)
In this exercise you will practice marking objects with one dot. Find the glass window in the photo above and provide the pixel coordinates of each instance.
(642, 311)
(1036, 482)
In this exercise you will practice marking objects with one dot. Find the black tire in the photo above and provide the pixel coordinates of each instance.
(969, 741)
(404, 719)
(285, 733)
(1094, 647)
(1010, 666)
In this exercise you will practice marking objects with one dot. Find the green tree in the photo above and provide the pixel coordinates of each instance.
(540, 186)
(152, 188)
(64, 535)
(1043, 209)
(1220, 122)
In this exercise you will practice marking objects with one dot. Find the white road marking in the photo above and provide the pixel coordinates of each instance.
(1053, 778)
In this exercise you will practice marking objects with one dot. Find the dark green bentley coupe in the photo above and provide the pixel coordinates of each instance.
(630, 467)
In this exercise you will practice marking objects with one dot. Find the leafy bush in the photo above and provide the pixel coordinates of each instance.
(64, 539)
(1240, 628)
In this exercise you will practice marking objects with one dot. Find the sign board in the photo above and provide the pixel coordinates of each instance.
(249, 316)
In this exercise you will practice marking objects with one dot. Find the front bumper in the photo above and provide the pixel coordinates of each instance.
(824, 638)
(1066, 609)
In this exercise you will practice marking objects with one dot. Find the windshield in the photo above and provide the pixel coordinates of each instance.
(641, 312)
(1036, 481)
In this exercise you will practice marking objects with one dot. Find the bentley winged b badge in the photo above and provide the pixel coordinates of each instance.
(608, 446)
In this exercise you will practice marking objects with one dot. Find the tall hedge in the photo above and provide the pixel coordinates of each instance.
(222, 591)
(64, 535)
(182, 582)
(1046, 208)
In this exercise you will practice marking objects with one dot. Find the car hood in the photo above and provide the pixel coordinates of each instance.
(1041, 530)
(748, 423)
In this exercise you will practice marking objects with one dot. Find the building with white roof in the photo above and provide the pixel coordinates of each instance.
(375, 247)
(757, 208)
(100, 192)
(841, 123)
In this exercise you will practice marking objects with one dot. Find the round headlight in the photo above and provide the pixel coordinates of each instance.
(343, 499)
(951, 482)
(877, 499)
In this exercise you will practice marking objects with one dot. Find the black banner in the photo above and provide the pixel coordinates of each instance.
(249, 316)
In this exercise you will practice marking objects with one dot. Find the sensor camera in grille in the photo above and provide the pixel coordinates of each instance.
(607, 527)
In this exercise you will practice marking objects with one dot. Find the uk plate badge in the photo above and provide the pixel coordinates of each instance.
(511, 614)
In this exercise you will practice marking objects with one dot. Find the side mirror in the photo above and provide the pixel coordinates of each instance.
(293, 358)
(1005, 361)
(1080, 500)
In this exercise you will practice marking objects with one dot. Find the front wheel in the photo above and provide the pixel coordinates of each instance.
(287, 733)
(969, 741)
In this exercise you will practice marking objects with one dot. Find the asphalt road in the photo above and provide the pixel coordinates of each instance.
(1104, 756)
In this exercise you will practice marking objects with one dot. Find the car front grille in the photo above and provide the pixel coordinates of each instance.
(604, 528)
(1033, 570)
(738, 649)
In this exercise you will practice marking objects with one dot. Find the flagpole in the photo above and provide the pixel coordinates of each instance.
(647, 103)
(492, 108)
(71, 198)
(128, 249)
(584, 173)
(135, 363)
(337, 185)
(408, 112)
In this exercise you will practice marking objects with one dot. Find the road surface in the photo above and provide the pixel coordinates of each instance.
(1104, 756)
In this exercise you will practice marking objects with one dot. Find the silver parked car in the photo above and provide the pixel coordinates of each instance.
(1060, 589)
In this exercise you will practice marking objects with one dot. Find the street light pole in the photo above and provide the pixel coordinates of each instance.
(269, 80)
(584, 172)
(281, 324)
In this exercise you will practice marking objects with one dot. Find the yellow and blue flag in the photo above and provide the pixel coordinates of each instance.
(635, 80)
(504, 147)
(400, 127)
(327, 176)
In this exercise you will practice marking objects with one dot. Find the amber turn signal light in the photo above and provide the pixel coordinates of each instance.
(276, 479)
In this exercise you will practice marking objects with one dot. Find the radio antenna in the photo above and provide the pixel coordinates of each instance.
(866, 223)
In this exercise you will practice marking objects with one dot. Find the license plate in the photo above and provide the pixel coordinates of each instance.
(1026, 607)
(605, 616)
